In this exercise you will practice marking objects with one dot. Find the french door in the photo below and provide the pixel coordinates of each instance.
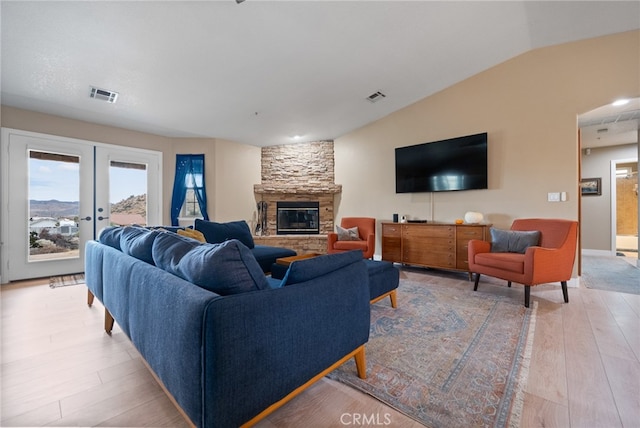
(58, 192)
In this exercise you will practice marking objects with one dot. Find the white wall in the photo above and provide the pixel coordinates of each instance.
(529, 107)
(596, 210)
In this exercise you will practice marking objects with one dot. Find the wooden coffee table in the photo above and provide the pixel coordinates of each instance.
(286, 261)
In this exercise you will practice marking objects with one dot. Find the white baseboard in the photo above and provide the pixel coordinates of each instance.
(587, 252)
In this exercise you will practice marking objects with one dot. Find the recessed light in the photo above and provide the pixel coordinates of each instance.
(620, 102)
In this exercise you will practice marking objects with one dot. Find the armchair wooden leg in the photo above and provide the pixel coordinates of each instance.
(565, 291)
(509, 284)
(527, 295)
(475, 284)
(89, 298)
(108, 321)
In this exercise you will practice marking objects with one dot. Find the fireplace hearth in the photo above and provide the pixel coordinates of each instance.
(298, 218)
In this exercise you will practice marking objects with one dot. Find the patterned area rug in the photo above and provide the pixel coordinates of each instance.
(610, 273)
(448, 356)
(66, 280)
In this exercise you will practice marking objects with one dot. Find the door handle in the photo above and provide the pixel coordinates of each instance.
(102, 218)
(87, 218)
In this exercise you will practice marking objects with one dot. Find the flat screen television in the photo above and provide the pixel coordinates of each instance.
(442, 166)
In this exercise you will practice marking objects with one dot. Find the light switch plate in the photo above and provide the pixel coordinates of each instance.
(553, 196)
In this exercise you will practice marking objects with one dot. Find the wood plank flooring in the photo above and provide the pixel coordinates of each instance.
(59, 368)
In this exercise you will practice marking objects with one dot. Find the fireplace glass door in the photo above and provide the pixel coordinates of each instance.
(298, 217)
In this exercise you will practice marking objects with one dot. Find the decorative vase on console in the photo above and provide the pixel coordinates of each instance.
(473, 217)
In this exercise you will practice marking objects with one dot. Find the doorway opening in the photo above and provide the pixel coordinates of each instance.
(624, 206)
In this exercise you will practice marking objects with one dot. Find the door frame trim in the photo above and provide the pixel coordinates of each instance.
(5, 134)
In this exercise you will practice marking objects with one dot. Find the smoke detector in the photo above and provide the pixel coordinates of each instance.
(104, 95)
(376, 96)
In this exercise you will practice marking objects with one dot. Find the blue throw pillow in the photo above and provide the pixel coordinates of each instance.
(226, 268)
(111, 236)
(169, 248)
(513, 241)
(216, 233)
(307, 269)
(138, 242)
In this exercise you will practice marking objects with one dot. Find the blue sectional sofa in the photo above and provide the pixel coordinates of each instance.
(216, 233)
(228, 343)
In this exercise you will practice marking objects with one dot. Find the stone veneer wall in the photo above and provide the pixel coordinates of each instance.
(299, 243)
(299, 172)
(301, 165)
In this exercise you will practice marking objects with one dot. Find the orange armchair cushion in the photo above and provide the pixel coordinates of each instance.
(512, 262)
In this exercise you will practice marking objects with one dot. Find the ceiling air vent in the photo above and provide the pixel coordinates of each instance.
(377, 96)
(101, 94)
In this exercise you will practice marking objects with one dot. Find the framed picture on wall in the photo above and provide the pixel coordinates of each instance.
(591, 186)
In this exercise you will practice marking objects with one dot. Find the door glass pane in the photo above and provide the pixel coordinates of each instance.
(54, 206)
(127, 193)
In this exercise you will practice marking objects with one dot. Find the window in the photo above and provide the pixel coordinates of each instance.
(189, 191)
(191, 207)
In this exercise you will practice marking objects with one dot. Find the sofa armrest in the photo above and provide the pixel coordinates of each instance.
(371, 245)
(476, 246)
(260, 346)
(332, 238)
(544, 265)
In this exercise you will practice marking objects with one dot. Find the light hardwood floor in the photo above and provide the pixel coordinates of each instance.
(59, 368)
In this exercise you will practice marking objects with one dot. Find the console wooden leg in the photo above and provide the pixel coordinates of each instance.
(361, 363)
(89, 298)
(108, 321)
(393, 297)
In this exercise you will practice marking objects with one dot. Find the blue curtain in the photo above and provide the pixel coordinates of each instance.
(189, 174)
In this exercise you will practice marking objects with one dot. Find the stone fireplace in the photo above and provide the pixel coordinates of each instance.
(297, 218)
(298, 173)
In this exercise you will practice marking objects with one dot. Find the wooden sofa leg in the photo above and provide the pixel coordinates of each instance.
(475, 284)
(361, 363)
(108, 321)
(527, 295)
(393, 297)
(565, 291)
(509, 284)
(89, 298)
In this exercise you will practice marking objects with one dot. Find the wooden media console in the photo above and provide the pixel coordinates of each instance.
(434, 245)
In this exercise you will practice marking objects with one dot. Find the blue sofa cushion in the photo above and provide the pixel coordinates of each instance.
(169, 248)
(226, 268)
(216, 233)
(307, 269)
(266, 255)
(137, 242)
(111, 236)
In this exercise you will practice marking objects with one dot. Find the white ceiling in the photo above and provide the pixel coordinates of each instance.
(262, 72)
(610, 125)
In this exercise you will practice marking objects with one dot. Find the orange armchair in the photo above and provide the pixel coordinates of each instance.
(367, 231)
(549, 261)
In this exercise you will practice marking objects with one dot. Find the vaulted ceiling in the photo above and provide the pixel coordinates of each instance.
(265, 72)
